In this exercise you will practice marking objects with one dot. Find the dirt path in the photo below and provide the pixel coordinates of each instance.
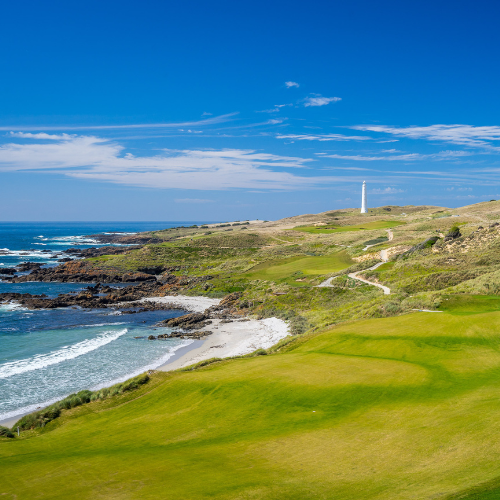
(383, 256)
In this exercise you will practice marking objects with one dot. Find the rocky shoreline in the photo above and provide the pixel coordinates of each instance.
(149, 282)
(128, 299)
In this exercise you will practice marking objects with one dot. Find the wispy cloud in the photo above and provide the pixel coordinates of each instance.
(319, 100)
(387, 190)
(323, 137)
(94, 158)
(199, 123)
(465, 135)
(292, 84)
(41, 135)
(401, 157)
(193, 200)
(276, 109)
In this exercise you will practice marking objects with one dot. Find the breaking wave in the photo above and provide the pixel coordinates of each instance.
(65, 353)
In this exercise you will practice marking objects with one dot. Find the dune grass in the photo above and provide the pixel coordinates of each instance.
(332, 228)
(299, 267)
(396, 408)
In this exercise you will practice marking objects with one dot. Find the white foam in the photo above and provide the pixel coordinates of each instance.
(27, 253)
(12, 306)
(65, 353)
(120, 233)
(151, 366)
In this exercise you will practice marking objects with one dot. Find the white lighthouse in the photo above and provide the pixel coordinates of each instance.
(364, 210)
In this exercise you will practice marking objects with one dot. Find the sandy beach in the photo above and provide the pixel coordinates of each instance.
(232, 339)
(229, 338)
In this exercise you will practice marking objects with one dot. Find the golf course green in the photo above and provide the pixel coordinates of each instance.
(306, 266)
(396, 408)
(331, 228)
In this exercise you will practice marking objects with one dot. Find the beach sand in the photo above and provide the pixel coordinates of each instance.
(231, 339)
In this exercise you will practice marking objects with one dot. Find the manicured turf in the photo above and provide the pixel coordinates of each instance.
(470, 304)
(342, 229)
(300, 266)
(398, 408)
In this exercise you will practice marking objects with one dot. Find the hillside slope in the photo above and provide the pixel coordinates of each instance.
(400, 408)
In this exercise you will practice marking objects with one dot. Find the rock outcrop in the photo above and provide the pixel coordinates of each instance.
(83, 272)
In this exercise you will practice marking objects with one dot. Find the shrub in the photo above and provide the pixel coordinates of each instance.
(4, 432)
(260, 352)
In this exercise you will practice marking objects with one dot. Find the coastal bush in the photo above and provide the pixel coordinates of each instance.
(259, 352)
(4, 432)
(43, 417)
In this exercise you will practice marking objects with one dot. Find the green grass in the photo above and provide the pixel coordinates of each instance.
(470, 304)
(398, 408)
(299, 267)
(331, 228)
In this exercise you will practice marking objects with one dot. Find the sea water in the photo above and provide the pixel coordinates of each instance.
(47, 354)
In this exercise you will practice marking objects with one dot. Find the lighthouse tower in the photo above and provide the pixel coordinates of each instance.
(364, 210)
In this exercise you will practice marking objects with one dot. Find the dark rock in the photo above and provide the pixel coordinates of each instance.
(83, 272)
(152, 269)
(151, 337)
(87, 299)
(28, 266)
(97, 252)
(188, 321)
(190, 335)
(8, 270)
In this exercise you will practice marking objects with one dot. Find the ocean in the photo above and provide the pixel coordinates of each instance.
(47, 354)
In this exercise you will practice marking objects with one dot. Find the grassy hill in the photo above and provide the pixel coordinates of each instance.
(403, 407)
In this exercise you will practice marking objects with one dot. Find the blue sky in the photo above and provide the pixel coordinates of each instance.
(222, 110)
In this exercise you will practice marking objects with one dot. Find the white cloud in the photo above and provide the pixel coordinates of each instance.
(411, 156)
(323, 137)
(209, 121)
(41, 135)
(466, 135)
(387, 190)
(402, 157)
(192, 200)
(319, 100)
(276, 108)
(291, 84)
(94, 158)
